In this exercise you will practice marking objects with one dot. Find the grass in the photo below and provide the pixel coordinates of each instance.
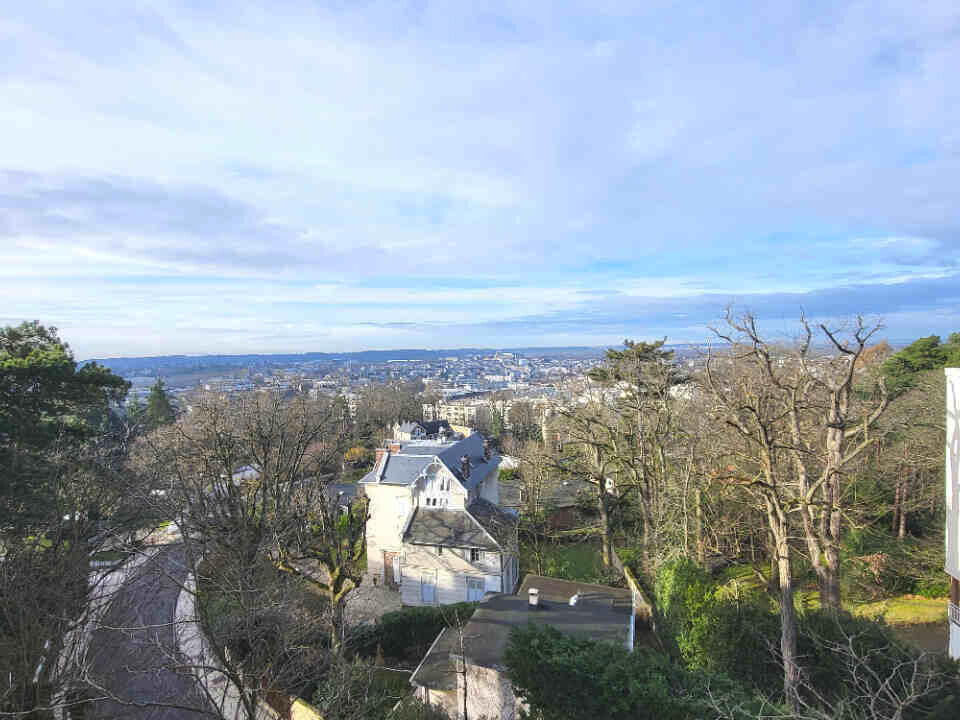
(905, 610)
(895, 610)
(579, 561)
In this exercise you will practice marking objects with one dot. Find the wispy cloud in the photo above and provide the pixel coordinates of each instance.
(539, 170)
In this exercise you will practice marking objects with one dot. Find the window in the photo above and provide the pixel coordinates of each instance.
(428, 589)
(476, 555)
(474, 589)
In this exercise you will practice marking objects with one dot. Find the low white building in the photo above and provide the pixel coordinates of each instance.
(436, 532)
(468, 679)
(953, 506)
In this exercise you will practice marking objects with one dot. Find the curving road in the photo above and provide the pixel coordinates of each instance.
(133, 655)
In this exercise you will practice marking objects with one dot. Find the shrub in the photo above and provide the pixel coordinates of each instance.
(715, 634)
(849, 660)
(878, 564)
(351, 690)
(407, 634)
(933, 588)
(605, 680)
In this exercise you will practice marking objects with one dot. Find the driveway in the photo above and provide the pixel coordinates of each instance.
(133, 654)
(367, 603)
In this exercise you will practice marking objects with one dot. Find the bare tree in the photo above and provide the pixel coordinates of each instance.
(752, 409)
(325, 546)
(591, 430)
(231, 471)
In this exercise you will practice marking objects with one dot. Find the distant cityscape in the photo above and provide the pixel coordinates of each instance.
(449, 375)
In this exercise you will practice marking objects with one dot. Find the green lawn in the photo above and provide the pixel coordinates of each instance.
(905, 610)
(582, 561)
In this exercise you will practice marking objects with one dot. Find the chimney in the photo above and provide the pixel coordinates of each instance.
(533, 599)
(465, 467)
(380, 453)
(395, 448)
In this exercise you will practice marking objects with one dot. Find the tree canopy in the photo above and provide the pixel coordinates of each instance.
(47, 403)
(928, 353)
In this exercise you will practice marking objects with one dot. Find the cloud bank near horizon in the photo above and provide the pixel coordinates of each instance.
(379, 175)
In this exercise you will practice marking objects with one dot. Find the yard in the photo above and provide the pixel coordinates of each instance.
(571, 560)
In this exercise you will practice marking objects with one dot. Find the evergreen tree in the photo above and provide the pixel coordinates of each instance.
(927, 353)
(160, 411)
(47, 405)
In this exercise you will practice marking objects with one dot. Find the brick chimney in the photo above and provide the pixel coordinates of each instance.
(465, 467)
(380, 453)
(395, 448)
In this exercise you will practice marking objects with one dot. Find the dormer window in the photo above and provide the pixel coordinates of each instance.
(476, 555)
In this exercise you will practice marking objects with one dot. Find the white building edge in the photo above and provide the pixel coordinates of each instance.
(952, 476)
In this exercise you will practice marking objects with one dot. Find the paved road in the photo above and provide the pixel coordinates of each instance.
(133, 653)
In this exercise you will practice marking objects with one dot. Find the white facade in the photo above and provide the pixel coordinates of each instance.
(952, 476)
(434, 574)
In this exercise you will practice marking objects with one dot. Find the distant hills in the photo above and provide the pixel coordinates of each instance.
(190, 363)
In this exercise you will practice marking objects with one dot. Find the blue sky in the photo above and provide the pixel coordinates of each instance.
(298, 176)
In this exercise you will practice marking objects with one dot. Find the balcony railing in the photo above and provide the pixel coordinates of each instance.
(954, 611)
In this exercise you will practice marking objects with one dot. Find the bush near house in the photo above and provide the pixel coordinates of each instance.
(602, 680)
(407, 634)
(357, 689)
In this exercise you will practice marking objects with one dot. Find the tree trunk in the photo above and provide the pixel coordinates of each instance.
(698, 499)
(895, 522)
(788, 622)
(902, 530)
(605, 530)
(336, 626)
(830, 591)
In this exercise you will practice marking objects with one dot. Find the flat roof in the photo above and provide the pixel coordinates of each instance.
(602, 613)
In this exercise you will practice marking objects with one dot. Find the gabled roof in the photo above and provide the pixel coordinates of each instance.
(415, 456)
(451, 528)
(409, 427)
(500, 523)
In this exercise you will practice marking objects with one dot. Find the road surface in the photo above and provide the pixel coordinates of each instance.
(133, 654)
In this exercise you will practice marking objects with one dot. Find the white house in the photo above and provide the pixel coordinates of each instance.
(953, 506)
(436, 532)
(409, 431)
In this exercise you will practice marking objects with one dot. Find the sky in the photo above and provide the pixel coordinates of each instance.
(305, 176)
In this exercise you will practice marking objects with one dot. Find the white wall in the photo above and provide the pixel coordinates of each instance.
(953, 472)
(490, 487)
(441, 485)
(389, 507)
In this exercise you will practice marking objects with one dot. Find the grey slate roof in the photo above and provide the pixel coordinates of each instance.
(408, 427)
(415, 456)
(451, 528)
(553, 495)
(602, 613)
(346, 492)
(500, 523)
